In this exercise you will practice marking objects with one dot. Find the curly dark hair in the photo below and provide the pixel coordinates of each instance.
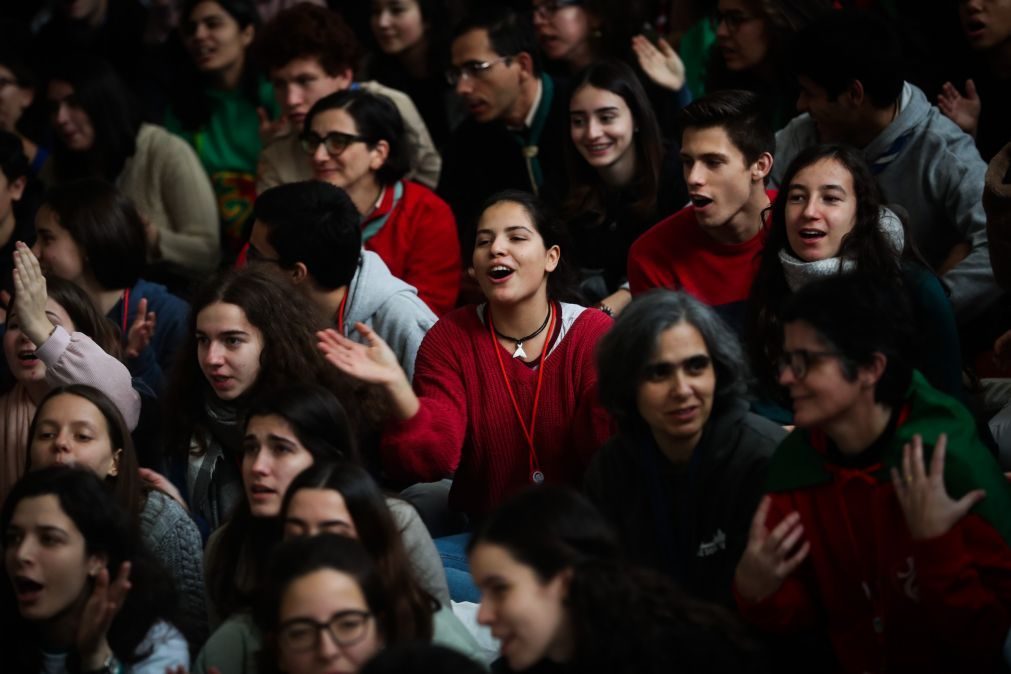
(307, 31)
(865, 244)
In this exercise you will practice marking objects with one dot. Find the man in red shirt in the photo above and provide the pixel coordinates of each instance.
(710, 248)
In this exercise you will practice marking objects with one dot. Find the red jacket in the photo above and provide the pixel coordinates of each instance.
(467, 423)
(889, 603)
(418, 242)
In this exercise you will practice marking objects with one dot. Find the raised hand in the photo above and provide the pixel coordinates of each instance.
(767, 559)
(142, 330)
(30, 296)
(930, 512)
(99, 611)
(963, 110)
(660, 62)
(374, 363)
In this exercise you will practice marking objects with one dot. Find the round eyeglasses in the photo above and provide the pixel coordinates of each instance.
(801, 360)
(335, 142)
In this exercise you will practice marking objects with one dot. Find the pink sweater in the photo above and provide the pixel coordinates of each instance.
(69, 359)
(467, 423)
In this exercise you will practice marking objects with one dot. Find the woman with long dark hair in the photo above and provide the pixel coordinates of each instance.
(829, 218)
(81, 593)
(100, 134)
(617, 162)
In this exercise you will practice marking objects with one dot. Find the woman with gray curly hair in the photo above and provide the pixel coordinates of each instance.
(683, 476)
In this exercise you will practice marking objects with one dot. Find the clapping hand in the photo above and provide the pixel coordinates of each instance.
(963, 110)
(141, 331)
(930, 512)
(374, 363)
(767, 559)
(99, 611)
(660, 62)
(30, 296)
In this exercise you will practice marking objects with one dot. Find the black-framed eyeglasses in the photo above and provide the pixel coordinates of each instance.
(549, 8)
(472, 69)
(254, 255)
(801, 360)
(346, 628)
(335, 142)
(733, 19)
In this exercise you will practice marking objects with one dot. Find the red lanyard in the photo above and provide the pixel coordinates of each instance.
(535, 470)
(126, 309)
(340, 311)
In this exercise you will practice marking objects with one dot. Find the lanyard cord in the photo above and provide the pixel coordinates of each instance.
(126, 309)
(528, 433)
(340, 311)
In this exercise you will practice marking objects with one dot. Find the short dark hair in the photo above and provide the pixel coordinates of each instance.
(113, 112)
(627, 348)
(377, 118)
(13, 161)
(105, 225)
(307, 31)
(851, 45)
(858, 317)
(509, 33)
(317, 418)
(315, 223)
(740, 113)
(419, 656)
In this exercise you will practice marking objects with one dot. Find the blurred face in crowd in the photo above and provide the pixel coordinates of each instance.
(510, 261)
(563, 31)
(228, 349)
(71, 430)
(70, 121)
(741, 34)
(525, 613)
(24, 365)
(9, 193)
(333, 598)
(675, 397)
(55, 248)
(14, 98)
(821, 209)
(720, 180)
(300, 83)
(46, 559)
(215, 41)
(602, 128)
(398, 25)
(89, 11)
(489, 83)
(316, 511)
(272, 457)
(987, 23)
(835, 120)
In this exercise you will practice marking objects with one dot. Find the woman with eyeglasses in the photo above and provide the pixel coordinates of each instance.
(887, 522)
(328, 608)
(827, 219)
(355, 141)
(750, 52)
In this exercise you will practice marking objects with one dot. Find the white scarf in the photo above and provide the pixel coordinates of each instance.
(799, 273)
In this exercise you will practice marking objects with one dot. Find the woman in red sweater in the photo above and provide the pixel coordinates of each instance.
(356, 141)
(486, 407)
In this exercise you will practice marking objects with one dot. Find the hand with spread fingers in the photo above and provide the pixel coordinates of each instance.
(963, 110)
(660, 62)
(30, 296)
(930, 512)
(769, 556)
(99, 611)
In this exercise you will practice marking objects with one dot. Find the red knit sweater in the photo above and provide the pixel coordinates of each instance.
(467, 422)
(419, 243)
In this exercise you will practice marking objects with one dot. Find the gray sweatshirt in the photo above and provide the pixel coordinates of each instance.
(932, 169)
(389, 306)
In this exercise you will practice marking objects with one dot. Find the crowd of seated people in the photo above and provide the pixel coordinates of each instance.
(544, 336)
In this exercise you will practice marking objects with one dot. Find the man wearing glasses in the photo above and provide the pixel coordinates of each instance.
(518, 117)
(309, 52)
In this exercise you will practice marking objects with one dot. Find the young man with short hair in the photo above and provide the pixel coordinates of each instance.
(922, 160)
(518, 120)
(710, 248)
(310, 230)
(310, 52)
